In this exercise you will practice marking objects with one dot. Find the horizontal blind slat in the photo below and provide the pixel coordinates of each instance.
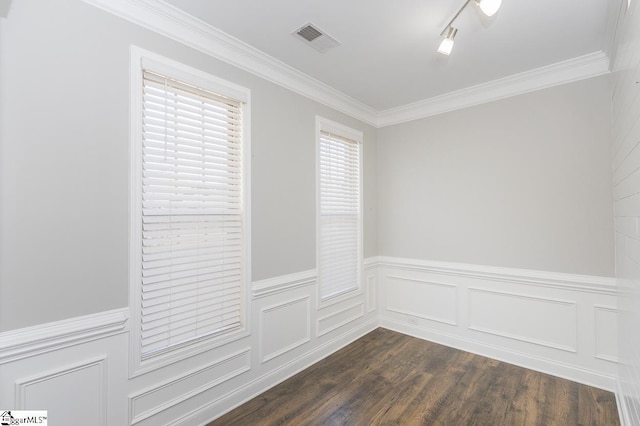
(192, 254)
(339, 210)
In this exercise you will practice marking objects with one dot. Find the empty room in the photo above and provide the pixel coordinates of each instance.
(300, 212)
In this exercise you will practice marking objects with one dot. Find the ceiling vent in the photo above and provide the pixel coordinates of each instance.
(313, 36)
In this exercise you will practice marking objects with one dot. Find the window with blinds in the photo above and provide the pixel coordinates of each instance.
(190, 241)
(339, 211)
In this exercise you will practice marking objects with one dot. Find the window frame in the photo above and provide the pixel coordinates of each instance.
(141, 59)
(326, 125)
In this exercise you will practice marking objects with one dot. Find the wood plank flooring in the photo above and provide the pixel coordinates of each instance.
(387, 378)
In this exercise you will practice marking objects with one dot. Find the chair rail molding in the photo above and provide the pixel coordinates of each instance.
(26, 342)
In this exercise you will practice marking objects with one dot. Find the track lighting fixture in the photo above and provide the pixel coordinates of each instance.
(488, 7)
(447, 43)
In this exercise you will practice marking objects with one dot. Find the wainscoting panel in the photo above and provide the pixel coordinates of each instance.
(518, 316)
(284, 327)
(606, 319)
(150, 402)
(428, 300)
(372, 292)
(76, 369)
(339, 318)
(560, 324)
(550, 322)
(88, 383)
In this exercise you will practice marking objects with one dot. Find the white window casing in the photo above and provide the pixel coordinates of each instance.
(339, 215)
(189, 230)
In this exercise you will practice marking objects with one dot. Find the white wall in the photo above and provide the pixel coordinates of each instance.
(65, 142)
(522, 182)
(626, 149)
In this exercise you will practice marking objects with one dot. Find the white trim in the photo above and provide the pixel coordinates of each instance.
(590, 65)
(282, 283)
(177, 25)
(585, 283)
(306, 339)
(217, 408)
(21, 386)
(526, 339)
(570, 354)
(510, 356)
(360, 314)
(601, 308)
(623, 407)
(372, 292)
(137, 418)
(27, 342)
(456, 314)
(326, 125)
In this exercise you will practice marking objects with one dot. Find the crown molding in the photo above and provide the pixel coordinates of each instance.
(177, 25)
(590, 65)
(171, 22)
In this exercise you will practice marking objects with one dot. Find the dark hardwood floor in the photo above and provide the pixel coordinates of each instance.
(387, 378)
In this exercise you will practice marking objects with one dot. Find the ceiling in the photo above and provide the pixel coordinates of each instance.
(387, 57)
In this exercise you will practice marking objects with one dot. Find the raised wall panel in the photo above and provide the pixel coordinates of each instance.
(546, 322)
(606, 342)
(68, 393)
(284, 327)
(536, 319)
(168, 393)
(425, 299)
(339, 318)
(372, 292)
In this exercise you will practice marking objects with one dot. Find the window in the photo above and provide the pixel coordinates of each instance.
(339, 208)
(189, 228)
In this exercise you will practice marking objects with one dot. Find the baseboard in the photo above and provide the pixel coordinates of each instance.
(210, 412)
(547, 366)
(560, 324)
(623, 412)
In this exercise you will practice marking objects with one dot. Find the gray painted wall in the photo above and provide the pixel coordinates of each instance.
(64, 101)
(523, 182)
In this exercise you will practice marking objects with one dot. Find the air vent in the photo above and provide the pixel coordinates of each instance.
(313, 36)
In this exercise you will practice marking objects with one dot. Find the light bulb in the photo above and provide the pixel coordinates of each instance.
(446, 45)
(489, 7)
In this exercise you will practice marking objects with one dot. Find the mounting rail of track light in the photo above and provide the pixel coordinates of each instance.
(488, 7)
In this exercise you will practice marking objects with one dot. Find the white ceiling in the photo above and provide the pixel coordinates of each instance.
(388, 53)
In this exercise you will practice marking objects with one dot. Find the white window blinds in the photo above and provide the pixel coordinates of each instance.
(339, 215)
(192, 211)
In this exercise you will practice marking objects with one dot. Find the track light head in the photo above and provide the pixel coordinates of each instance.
(446, 45)
(489, 7)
